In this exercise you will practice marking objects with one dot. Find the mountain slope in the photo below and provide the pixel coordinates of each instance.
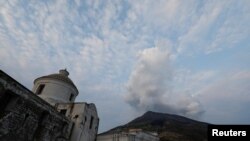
(169, 127)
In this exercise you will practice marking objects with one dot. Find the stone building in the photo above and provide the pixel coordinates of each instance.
(46, 114)
(131, 135)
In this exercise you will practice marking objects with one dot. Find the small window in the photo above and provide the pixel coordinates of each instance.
(71, 97)
(40, 89)
(63, 111)
(91, 122)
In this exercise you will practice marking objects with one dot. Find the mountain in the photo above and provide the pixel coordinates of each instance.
(169, 127)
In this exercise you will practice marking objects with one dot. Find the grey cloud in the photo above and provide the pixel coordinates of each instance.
(150, 86)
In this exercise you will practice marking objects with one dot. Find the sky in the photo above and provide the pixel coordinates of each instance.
(184, 57)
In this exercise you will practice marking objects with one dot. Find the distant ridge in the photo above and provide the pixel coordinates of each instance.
(169, 127)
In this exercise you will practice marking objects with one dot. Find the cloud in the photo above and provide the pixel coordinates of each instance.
(233, 30)
(150, 86)
(217, 25)
(200, 27)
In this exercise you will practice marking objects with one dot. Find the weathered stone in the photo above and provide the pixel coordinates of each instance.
(26, 117)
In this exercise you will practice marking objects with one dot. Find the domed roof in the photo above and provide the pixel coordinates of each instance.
(62, 76)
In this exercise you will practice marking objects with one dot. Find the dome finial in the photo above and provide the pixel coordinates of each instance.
(64, 72)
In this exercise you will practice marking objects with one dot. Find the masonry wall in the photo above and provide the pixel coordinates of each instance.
(26, 117)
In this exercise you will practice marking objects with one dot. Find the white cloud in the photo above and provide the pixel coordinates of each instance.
(219, 25)
(233, 30)
(196, 34)
(150, 86)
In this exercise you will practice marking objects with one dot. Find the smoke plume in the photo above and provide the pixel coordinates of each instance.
(150, 86)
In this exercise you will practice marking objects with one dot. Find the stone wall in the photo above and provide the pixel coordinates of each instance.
(26, 117)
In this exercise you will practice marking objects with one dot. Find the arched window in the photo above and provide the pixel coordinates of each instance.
(40, 89)
(71, 97)
(63, 111)
(91, 122)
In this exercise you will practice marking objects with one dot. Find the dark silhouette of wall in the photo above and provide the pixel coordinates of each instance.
(26, 117)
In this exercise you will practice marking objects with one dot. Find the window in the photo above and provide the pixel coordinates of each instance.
(91, 122)
(25, 119)
(71, 97)
(63, 111)
(40, 89)
(76, 116)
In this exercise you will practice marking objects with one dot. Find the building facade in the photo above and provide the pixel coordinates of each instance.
(131, 135)
(84, 116)
(46, 114)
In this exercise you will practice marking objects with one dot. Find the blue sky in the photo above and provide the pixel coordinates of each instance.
(185, 57)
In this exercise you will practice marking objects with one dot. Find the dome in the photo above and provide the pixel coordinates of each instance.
(61, 76)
